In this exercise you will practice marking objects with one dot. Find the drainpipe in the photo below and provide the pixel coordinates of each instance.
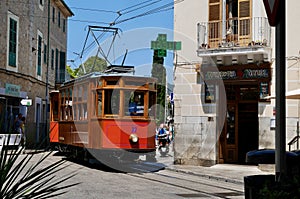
(47, 77)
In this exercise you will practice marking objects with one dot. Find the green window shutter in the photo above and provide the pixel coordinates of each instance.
(45, 54)
(56, 65)
(52, 59)
(39, 56)
(12, 59)
(62, 66)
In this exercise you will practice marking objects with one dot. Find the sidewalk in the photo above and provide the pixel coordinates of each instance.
(226, 172)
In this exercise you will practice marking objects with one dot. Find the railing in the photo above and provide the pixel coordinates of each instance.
(234, 32)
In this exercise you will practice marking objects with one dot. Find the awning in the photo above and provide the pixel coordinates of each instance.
(294, 94)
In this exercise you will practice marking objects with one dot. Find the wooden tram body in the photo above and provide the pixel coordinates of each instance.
(92, 113)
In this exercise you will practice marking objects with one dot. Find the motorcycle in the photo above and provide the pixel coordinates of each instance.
(163, 144)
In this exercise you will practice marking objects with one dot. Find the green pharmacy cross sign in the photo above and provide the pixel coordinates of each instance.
(162, 45)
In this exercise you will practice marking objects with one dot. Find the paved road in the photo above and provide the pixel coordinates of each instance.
(97, 182)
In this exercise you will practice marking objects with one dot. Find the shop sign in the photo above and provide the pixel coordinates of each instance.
(237, 74)
(263, 90)
(211, 75)
(255, 73)
(12, 89)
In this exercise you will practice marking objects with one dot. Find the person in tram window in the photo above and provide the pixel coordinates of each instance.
(134, 108)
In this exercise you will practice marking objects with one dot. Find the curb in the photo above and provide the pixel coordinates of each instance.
(224, 179)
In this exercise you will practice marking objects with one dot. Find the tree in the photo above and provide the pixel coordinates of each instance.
(92, 64)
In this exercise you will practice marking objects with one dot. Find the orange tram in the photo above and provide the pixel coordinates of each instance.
(90, 116)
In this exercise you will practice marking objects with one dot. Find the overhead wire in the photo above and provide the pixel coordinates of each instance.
(133, 8)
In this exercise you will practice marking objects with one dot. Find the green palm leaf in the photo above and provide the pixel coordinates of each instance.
(20, 177)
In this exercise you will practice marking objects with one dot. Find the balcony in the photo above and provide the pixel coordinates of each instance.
(234, 37)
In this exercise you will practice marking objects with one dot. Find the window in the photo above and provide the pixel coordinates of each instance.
(13, 28)
(39, 57)
(58, 19)
(80, 104)
(134, 103)
(64, 25)
(52, 59)
(45, 53)
(112, 102)
(62, 66)
(66, 104)
(53, 14)
(99, 103)
(56, 64)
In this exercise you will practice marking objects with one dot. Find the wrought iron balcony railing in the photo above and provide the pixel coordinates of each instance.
(234, 32)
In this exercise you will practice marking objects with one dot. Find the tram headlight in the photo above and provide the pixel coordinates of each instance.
(133, 138)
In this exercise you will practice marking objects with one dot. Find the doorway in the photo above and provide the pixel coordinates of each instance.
(240, 130)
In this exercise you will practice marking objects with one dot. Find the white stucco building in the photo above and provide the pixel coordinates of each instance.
(224, 74)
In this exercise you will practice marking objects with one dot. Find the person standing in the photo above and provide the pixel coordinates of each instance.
(23, 136)
(18, 123)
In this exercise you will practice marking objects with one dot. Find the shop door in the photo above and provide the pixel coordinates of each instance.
(240, 130)
(248, 129)
(228, 138)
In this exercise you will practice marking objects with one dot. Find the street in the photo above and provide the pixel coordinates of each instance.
(98, 181)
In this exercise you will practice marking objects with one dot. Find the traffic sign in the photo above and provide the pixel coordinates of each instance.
(271, 7)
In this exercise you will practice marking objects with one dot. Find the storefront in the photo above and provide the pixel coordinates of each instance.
(245, 86)
(10, 98)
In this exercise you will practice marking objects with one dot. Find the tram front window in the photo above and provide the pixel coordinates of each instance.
(112, 102)
(136, 104)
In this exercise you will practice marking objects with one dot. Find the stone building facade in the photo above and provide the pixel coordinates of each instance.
(225, 80)
(32, 61)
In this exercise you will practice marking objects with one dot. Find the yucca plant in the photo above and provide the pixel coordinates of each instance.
(22, 177)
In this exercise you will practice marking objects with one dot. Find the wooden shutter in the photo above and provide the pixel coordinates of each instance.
(244, 11)
(214, 24)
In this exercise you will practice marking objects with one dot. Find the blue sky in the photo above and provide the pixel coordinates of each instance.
(135, 30)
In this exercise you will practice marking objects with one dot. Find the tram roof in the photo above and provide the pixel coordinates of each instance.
(101, 74)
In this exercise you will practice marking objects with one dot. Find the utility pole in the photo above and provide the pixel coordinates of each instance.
(280, 141)
(276, 15)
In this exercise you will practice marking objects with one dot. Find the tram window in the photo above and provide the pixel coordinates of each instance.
(136, 104)
(79, 94)
(112, 102)
(134, 83)
(75, 94)
(112, 82)
(84, 109)
(84, 92)
(152, 104)
(99, 103)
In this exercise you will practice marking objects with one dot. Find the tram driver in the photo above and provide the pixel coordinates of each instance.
(135, 107)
